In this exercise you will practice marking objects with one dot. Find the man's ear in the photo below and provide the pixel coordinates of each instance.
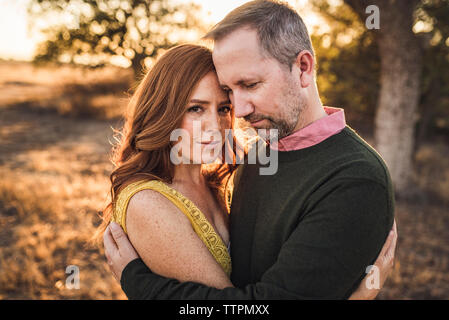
(305, 62)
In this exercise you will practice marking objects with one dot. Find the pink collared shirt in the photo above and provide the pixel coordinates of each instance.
(315, 132)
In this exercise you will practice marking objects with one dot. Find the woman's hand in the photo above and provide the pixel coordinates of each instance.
(384, 263)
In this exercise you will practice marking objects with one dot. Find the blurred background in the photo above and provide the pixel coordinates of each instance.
(67, 69)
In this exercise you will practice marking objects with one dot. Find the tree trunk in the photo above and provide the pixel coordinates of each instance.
(401, 64)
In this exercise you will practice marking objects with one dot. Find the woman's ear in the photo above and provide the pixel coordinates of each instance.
(305, 62)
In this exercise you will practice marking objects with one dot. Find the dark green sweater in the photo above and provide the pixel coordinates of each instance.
(307, 232)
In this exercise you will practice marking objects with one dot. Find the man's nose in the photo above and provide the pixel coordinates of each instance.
(241, 104)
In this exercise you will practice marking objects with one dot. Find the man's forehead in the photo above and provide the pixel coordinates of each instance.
(240, 40)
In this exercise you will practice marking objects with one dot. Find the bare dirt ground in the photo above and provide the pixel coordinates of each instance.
(54, 169)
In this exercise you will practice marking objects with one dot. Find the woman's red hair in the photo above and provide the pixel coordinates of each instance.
(155, 110)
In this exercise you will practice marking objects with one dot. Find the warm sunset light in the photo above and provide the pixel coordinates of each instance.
(16, 42)
(19, 42)
(279, 162)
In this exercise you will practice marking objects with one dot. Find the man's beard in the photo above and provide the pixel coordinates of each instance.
(285, 125)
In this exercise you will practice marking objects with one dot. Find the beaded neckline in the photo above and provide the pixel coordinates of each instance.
(201, 225)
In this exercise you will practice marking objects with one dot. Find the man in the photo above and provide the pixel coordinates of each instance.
(310, 230)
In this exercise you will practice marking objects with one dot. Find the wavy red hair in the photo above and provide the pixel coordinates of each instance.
(155, 110)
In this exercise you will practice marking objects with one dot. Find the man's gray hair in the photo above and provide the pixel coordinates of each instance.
(281, 31)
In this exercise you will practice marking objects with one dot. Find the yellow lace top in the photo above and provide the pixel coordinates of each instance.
(199, 222)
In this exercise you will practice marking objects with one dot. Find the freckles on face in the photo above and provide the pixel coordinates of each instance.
(208, 115)
(210, 105)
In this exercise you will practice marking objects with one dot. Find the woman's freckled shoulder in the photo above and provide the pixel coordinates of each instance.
(151, 205)
(147, 198)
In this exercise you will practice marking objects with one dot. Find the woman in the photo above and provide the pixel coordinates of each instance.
(176, 216)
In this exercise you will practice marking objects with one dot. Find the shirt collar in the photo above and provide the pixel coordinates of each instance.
(315, 132)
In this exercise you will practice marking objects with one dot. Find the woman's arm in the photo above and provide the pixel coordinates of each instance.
(165, 240)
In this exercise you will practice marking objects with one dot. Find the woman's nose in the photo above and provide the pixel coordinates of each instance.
(211, 123)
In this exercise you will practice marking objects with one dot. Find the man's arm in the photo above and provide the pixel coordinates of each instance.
(325, 257)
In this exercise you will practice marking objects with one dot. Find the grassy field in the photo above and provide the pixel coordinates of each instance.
(55, 133)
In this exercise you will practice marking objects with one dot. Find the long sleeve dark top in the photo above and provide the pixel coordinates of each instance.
(307, 232)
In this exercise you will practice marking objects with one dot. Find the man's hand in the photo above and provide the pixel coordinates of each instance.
(118, 250)
(384, 262)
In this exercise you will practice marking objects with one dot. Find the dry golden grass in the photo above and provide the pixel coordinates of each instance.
(50, 193)
(54, 173)
(98, 93)
(54, 179)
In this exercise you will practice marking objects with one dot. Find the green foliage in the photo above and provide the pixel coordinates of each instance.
(349, 71)
(93, 31)
(348, 64)
(435, 83)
